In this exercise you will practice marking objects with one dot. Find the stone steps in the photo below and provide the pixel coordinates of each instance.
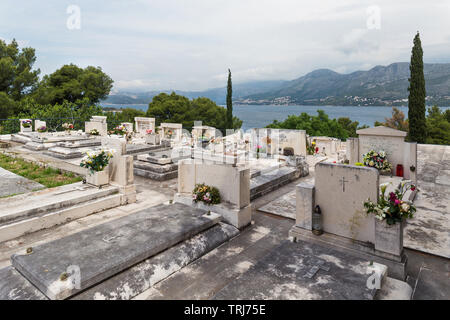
(271, 180)
(108, 249)
(40, 210)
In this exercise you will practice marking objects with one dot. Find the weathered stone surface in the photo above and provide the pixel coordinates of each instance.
(304, 205)
(107, 249)
(64, 153)
(340, 191)
(133, 149)
(393, 289)
(283, 206)
(265, 183)
(11, 183)
(303, 271)
(144, 275)
(15, 287)
(389, 238)
(156, 175)
(428, 231)
(432, 285)
(144, 165)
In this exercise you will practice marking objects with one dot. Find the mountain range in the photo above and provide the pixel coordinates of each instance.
(379, 86)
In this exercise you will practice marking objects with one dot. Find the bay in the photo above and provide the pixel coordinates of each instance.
(259, 116)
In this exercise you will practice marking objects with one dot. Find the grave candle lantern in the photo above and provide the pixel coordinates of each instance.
(317, 228)
(399, 171)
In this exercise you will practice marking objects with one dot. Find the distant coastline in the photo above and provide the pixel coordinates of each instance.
(258, 116)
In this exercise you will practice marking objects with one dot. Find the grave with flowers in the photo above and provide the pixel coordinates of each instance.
(97, 123)
(351, 208)
(384, 149)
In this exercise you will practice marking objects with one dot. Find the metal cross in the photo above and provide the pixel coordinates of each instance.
(343, 181)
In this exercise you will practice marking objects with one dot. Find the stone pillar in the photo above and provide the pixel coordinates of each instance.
(352, 150)
(304, 205)
(121, 169)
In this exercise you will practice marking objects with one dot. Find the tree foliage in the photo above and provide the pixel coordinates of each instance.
(7, 106)
(179, 109)
(438, 126)
(416, 99)
(229, 123)
(57, 114)
(72, 83)
(17, 77)
(350, 126)
(397, 121)
(320, 125)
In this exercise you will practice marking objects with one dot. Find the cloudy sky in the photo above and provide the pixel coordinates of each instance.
(190, 44)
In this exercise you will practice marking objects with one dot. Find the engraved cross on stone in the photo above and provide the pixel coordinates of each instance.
(320, 265)
(343, 181)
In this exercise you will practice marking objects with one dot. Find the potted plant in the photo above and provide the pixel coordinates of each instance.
(27, 125)
(119, 130)
(377, 160)
(67, 127)
(390, 213)
(206, 194)
(94, 132)
(311, 148)
(97, 165)
(42, 129)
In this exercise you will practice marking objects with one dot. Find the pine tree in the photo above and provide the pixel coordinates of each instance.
(416, 99)
(229, 121)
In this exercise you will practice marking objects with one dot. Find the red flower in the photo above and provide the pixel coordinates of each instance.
(317, 149)
(413, 188)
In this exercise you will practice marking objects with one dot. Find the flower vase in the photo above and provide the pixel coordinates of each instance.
(389, 238)
(98, 178)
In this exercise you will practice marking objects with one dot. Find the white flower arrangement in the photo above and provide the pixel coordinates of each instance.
(97, 160)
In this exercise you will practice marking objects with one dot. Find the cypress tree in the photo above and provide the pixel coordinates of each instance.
(416, 99)
(229, 121)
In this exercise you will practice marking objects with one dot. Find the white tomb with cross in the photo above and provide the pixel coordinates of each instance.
(340, 191)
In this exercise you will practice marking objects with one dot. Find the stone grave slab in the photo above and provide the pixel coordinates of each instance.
(432, 285)
(144, 275)
(303, 271)
(285, 205)
(11, 183)
(15, 287)
(133, 149)
(107, 249)
(64, 153)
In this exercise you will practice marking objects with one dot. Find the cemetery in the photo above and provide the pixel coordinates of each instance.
(164, 213)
